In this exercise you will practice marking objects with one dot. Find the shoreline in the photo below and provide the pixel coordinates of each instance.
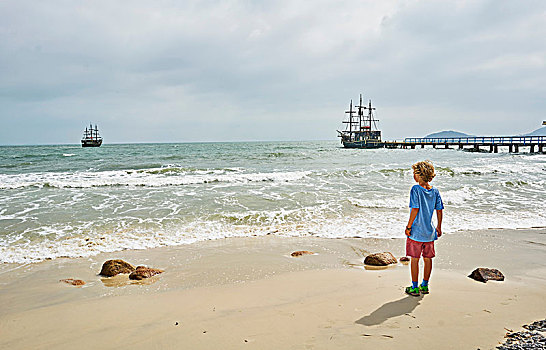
(250, 289)
(7, 265)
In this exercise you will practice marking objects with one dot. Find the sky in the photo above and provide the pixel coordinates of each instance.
(191, 71)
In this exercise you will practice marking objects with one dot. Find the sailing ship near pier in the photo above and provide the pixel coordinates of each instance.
(91, 137)
(361, 130)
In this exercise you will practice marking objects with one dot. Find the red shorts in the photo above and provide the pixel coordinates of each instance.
(416, 249)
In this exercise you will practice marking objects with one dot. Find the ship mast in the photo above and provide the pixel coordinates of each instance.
(370, 115)
(350, 112)
(360, 114)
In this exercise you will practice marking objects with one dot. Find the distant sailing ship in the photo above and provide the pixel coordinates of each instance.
(91, 137)
(361, 130)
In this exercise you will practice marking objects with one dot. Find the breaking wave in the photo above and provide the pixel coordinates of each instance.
(146, 178)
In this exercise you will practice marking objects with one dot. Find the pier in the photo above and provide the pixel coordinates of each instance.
(361, 132)
(491, 144)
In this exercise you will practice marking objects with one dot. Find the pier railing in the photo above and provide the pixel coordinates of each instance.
(492, 140)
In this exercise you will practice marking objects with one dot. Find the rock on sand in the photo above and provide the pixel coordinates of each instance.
(483, 274)
(114, 267)
(300, 253)
(380, 259)
(144, 272)
(73, 282)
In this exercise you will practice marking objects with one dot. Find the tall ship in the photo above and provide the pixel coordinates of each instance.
(361, 129)
(91, 137)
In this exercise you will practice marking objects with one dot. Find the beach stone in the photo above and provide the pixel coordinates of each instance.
(483, 274)
(300, 253)
(114, 267)
(380, 259)
(536, 326)
(531, 338)
(142, 272)
(73, 282)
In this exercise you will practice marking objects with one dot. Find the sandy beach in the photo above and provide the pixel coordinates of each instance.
(248, 292)
(199, 144)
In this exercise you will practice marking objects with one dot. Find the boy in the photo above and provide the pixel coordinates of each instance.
(424, 199)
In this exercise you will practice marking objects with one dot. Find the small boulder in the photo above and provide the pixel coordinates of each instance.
(142, 272)
(73, 282)
(114, 267)
(380, 259)
(483, 274)
(300, 253)
(405, 259)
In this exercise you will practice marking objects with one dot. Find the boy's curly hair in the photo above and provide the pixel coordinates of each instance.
(425, 170)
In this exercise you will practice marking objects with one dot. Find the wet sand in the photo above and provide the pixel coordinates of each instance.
(249, 292)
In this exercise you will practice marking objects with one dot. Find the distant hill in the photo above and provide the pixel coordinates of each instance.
(537, 132)
(449, 133)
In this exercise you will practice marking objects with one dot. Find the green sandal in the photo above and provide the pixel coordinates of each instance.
(412, 291)
(423, 289)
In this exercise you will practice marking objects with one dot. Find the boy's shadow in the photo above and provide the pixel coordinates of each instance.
(389, 310)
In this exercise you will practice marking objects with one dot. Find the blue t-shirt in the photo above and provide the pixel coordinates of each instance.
(422, 229)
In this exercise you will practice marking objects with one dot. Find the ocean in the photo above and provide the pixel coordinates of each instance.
(69, 201)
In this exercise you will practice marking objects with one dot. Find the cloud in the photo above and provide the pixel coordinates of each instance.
(251, 70)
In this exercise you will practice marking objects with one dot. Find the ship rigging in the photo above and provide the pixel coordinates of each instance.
(361, 130)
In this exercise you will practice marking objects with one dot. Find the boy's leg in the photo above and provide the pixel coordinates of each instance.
(426, 275)
(413, 250)
(414, 289)
(428, 254)
(414, 270)
(428, 268)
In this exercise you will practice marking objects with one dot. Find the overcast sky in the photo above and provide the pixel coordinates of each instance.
(164, 71)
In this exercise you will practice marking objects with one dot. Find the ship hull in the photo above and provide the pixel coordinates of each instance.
(363, 144)
(91, 143)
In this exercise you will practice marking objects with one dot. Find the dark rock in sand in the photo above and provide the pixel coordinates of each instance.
(142, 272)
(528, 339)
(536, 326)
(380, 259)
(483, 274)
(404, 258)
(114, 267)
(301, 252)
(73, 282)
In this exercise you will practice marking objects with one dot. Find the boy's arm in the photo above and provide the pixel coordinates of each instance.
(439, 215)
(412, 216)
